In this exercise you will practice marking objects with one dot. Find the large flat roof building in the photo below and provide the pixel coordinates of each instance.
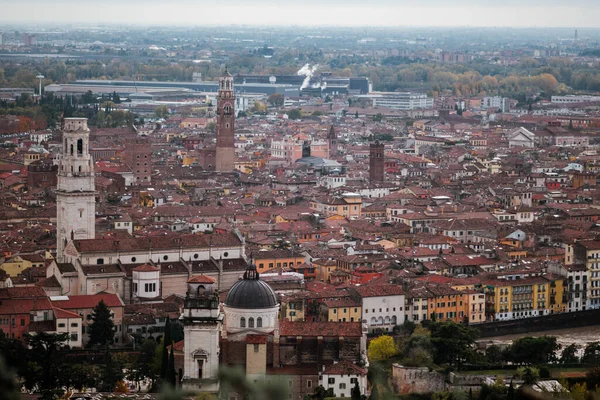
(400, 101)
(264, 88)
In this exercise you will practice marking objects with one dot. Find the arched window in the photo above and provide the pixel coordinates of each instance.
(259, 322)
(79, 146)
(71, 149)
(242, 322)
(250, 322)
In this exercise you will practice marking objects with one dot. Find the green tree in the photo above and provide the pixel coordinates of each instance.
(294, 114)
(88, 98)
(375, 393)
(592, 378)
(82, 376)
(355, 393)
(534, 350)
(382, 348)
(45, 370)
(579, 391)
(112, 372)
(143, 367)
(356, 115)
(171, 376)
(9, 386)
(276, 100)
(494, 354)
(378, 117)
(591, 354)
(161, 111)
(102, 328)
(569, 354)
(530, 375)
(453, 343)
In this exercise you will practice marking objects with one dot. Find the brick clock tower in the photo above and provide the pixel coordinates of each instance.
(376, 162)
(225, 154)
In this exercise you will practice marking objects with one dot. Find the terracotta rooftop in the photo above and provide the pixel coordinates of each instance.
(201, 279)
(325, 329)
(344, 367)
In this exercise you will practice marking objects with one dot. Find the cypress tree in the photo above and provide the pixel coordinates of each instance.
(171, 371)
(164, 365)
(102, 329)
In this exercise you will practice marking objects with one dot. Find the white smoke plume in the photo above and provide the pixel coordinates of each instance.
(308, 72)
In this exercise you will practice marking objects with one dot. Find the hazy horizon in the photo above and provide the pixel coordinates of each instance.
(335, 13)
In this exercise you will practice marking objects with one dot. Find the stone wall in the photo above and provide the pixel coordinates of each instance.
(416, 380)
(539, 324)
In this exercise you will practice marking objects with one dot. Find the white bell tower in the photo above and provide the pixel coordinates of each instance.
(75, 192)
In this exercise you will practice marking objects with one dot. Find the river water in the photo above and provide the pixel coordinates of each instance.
(565, 337)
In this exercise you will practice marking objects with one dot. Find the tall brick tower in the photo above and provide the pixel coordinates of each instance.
(225, 154)
(333, 145)
(376, 160)
(75, 191)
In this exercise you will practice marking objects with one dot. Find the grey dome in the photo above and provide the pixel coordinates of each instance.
(251, 292)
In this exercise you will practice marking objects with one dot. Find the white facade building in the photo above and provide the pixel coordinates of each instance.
(496, 103)
(342, 377)
(573, 99)
(146, 281)
(400, 101)
(382, 306)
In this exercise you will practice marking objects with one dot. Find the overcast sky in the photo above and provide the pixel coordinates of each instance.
(518, 13)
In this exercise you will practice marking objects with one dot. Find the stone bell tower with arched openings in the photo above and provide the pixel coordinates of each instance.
(75, 191)
(225, 154)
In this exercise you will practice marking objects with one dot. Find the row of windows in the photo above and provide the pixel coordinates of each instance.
(259, 323)
(73, 325)
(100, 261)
(381, 310)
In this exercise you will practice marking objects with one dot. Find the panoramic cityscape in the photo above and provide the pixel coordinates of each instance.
(259, 200)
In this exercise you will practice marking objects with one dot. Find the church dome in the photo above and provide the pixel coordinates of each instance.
(251, 292)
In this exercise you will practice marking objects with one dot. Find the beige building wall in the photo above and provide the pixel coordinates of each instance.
(256, 359)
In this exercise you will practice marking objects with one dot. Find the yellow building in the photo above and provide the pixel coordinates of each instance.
(345, 309)
(19, 263)
(475, 306)
(293, 307)
(146, 199)
(324, 268)
(524, 297)
(558, 295)
(349, 205)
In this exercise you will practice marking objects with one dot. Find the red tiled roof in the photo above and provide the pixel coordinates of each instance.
(177, 346)
(256, 339)
(89, 301)
(379, 290)
(325, 329)
(24, 306)
(146, 268)
(344, 367)
(201, 279)
(60, 313)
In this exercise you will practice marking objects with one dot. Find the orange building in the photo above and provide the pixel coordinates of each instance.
(280, 258)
